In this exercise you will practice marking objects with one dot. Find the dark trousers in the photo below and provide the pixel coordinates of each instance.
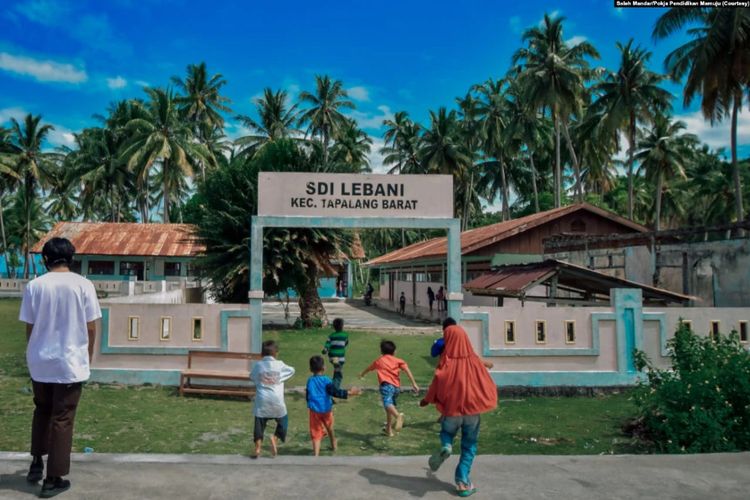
(338, 373)
(52, 426)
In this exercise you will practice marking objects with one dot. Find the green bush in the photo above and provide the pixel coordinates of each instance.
(701, 404)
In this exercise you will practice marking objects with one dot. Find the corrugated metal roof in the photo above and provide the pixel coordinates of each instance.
(125, 238)
(480, 237)
(517, 280)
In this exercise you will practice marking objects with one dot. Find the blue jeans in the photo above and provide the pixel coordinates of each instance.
(469, 426)
(389, 394)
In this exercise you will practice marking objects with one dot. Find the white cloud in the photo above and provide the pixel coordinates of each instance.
(515, 24)
(718, 135)
(117, 82)
(44, 12)
(142, 83)
(372, 120)
(61, 136)
(359, 93)
(15, 112)
(376, 157)
(573, 41)
(44, 71)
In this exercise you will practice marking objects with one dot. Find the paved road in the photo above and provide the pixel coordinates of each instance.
(94, 476)
(355, 315)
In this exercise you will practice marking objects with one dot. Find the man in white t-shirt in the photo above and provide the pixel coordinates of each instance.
(60, 309)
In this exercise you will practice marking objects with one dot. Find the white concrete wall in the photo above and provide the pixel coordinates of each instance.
(150, 315)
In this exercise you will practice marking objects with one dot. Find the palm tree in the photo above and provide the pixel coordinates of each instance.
(470, 126)
(664, 153)
(276, 120)
(324, 116)
(403, 141)
(717, 64)
(161, 136)
(103, 176)
(8, 178)
(630, 96)
(30, 165)
(202, 102)
(493, 112)
(552, 74)
(352, 148)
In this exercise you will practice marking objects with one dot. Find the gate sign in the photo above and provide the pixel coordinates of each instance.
(355, 195)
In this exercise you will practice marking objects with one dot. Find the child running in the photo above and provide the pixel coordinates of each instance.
(461, 389)
(320, 389)
(269, 376)
(388, 368)
(335, 347)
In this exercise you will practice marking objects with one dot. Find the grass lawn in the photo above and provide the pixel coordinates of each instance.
(113, 418)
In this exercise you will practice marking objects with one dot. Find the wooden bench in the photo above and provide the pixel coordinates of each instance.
(186, 385)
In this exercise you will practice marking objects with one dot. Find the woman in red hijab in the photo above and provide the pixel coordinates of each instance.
(461, 390)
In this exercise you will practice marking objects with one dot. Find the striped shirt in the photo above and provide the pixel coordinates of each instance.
(336, 344)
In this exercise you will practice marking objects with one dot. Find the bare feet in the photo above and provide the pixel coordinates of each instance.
(389, 433)
(400, 422)
(334, 444)
(274, 447)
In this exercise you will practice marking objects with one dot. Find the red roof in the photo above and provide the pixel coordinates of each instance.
(125, 238)
(474, 239)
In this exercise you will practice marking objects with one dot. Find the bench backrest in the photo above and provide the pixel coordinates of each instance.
(249, 356)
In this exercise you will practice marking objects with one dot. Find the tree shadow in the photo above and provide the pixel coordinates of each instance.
(413, 485)
(16, 481)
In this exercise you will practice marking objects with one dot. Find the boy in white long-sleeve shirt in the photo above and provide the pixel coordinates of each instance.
(269, 376)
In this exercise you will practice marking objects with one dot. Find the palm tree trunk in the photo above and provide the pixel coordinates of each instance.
(657, 215)
(558, 177)
(325, 147)
(466, 201)
(631, 140)
(735, 166)
(27, 236)
(5, 242)
(164, 168)
(504, 185)
(576, 166)
(310, 305)
(533, 181)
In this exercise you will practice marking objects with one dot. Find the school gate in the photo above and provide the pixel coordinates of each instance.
(352, 201)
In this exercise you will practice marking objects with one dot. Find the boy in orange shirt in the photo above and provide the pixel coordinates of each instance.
(388, 368)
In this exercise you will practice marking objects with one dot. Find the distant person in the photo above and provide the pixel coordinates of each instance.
(335, 347)
(388, 368)
(269, 375)
(60, 309)
(430, 297)
(461, 389)
(402, 304)
(440, 296)
(318, 393)
(368, 294)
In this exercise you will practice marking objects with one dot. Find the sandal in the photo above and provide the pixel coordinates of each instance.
(467, 492)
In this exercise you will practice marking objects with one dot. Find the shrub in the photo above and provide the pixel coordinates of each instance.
(701, 404)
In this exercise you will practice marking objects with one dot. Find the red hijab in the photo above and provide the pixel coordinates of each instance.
(461, 385)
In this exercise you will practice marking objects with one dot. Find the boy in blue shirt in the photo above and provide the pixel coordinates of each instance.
(319, 391)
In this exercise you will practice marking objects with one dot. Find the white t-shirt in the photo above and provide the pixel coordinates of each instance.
(269, 376)
(59, 304)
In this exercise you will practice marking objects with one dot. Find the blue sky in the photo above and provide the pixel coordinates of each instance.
(69, 59)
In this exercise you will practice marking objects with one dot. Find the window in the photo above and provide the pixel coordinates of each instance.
(166, 328)
(687, 323)
(510, 332)
(172, 268)
(76, 266)
(570, 332)
(578, 226)
(591, 262)
(715, 329)
(743, 331)
(541, 331)
(101, 267)
(197, 333)
(609, 261)
(134, 327)
(132, 269)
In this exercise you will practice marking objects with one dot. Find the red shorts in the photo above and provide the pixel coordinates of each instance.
(318, 424)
